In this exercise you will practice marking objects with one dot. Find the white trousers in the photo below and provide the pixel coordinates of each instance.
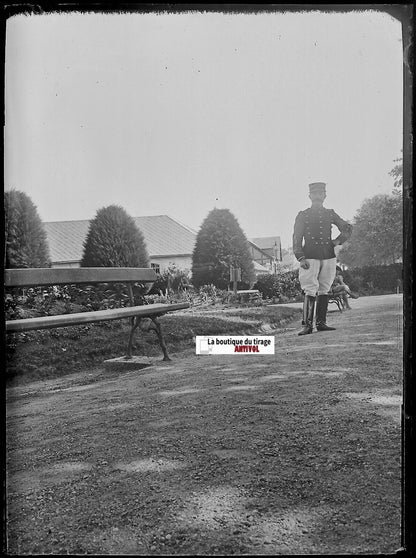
(319, 277)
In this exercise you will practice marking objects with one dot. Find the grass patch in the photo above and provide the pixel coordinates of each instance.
(43, 354)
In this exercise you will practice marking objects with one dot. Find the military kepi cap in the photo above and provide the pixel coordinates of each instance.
(317, 187)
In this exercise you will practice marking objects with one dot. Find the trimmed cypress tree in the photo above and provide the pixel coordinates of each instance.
(26, 241)
(114, 240)
(221, 244)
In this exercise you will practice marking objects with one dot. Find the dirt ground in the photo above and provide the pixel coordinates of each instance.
(293, 453)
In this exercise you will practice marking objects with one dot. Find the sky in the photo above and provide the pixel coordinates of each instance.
(175, 114)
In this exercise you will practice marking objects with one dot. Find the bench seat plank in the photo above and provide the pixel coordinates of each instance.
(79, 318)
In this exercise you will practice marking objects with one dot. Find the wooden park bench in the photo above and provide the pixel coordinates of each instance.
(92, 276)
(248, 295)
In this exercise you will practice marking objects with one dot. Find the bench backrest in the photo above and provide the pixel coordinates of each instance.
(30, 277)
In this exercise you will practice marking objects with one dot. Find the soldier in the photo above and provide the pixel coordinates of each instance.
(314, 249)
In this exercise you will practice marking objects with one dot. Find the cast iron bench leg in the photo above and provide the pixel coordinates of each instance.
(158, 331)
(337, 301)
(135, 321)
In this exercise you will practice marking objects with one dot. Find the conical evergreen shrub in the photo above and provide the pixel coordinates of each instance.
(25, 237)
(221, 244)
(114, 240)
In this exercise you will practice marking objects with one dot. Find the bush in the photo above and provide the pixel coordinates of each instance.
(171, 280)
(49, 301)
(220, 245)
(25, 236)
(114, 240)
(374, 279)
(267, 285)
(368, 280)
(284, 286)
(209, 291)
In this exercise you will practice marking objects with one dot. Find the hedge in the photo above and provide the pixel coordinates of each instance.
(375, 279)
(366, 281)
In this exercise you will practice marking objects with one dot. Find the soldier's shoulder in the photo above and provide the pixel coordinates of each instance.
(303, 212)
(331, 212)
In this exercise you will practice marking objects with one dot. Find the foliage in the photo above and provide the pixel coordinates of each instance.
(397, 174)
(377, 237)
(374, 280)
(267, 285)
(221, 244)
(171, 280)
(209, 291)
(49, 301)
(114, 240)
(206, 295)
(377, 233)
(25, 236)
(284, 286)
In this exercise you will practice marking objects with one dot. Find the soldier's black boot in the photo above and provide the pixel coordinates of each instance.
(321, 310)
(308, 313)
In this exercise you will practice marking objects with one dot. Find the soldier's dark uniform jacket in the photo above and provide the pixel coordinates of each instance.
(312, 233)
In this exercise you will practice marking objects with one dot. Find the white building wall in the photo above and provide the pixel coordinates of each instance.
(59, 265)
(182, 263)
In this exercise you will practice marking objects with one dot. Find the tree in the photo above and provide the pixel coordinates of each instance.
(377, 233)
(221, 244)
(377, 237)
(114, 240)
(397, 174)
(26, 241)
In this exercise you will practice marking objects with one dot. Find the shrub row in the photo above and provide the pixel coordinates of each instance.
(375, 279)
(366, 281)
(49, 301)
(282, 287)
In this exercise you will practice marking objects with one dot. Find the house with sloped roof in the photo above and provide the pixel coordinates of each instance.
(266, 251)
(168, 242)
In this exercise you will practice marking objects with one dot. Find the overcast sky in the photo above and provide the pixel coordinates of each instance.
(179, 113)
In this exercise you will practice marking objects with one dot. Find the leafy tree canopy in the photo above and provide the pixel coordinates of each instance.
(377, 237)
(397, 174)
(221, 244)
(114, 240)
(26, 241)
(377, 233)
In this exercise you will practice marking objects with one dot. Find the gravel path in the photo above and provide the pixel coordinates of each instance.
(292, 453)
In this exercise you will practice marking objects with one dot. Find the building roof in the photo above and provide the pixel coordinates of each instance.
(164, 236)
(259, 251)
(266, 242)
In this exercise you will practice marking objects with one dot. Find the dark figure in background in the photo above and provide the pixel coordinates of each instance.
(341, 289)
(314, 249)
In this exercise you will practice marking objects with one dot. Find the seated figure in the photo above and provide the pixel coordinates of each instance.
(341, 289)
